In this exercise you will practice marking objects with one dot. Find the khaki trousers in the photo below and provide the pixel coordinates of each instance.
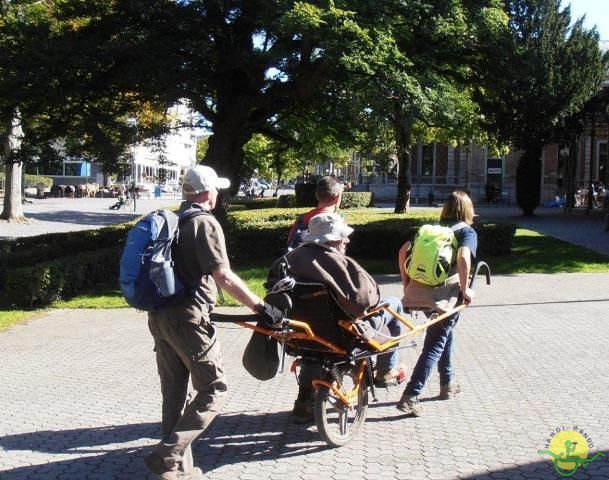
(186, 349)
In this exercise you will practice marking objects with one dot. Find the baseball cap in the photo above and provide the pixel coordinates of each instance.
(201, 178)
(326, 227)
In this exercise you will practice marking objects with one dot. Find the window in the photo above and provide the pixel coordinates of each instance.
(76, 169)
(602, 161)
(427, 162)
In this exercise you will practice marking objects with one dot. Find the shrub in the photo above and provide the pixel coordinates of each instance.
(263, 234)
(28, 251)
(286, 201)
(254, 203)
(357, 200)
(31, 181)
(45, 282)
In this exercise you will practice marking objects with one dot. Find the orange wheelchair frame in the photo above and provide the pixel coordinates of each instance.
(341, 399)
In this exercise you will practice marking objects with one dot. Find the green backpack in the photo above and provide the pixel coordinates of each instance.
(432, 254)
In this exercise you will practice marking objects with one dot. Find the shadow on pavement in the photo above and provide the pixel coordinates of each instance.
(232, 438)
(84, 218)
(544, 470)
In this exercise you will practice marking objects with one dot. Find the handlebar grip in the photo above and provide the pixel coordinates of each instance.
(479, 265)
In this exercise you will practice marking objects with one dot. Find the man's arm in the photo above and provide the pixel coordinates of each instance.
(464, 263)
(229, 281)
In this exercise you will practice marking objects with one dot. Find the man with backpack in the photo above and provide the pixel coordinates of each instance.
(328, 193)
(435, 272)
(186, 343)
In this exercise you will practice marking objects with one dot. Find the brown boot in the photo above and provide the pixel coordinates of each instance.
(303, 412)
(449, 391)
(157, 467)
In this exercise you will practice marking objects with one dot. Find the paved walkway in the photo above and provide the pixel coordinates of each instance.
(51, 215)
(80, 397)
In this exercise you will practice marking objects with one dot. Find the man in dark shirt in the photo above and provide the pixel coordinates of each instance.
(321, 258)
(185, 341)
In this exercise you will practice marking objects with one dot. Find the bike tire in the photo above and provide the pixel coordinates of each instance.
(337, 423)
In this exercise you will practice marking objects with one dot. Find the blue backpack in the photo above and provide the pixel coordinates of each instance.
(147, 276)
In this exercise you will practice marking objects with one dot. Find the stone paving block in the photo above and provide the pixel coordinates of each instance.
(94, 408)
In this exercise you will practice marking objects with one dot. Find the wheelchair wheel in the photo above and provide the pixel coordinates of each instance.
(338, 423)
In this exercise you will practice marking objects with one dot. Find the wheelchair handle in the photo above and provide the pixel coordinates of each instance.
(480, 265)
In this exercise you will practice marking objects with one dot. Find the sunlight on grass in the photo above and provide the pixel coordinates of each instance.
(532, 253)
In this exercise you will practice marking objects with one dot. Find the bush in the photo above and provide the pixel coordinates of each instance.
(32, 181)
(263, 234)
(28, 251)
(357, 200)
(45, 282)
(254, 203)
(286, 201)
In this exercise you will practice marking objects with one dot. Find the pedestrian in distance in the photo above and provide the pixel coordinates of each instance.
(457, 213)
(185, 341)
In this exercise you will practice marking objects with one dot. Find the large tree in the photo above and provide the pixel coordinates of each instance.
(548, 71)
(423, 73)
(239, 63)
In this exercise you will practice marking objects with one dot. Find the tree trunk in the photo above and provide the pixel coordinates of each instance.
(225, 152)
(11, 141)
(403, 141)
(528, 179)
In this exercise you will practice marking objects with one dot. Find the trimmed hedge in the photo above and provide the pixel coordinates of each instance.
(263, 234)
(254, 203)
(28, 251)
(33, 180)
(348, 200)
(357, 200)
(286, 201)
(44, 268)
(43, 283)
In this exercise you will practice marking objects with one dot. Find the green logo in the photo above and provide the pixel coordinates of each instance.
(569, 450)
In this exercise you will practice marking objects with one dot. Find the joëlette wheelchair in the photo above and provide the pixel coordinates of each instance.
(316, 329)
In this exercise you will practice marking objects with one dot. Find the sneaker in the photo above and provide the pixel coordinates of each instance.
(157, 467)
(302, 412)
(390, 378)
(449, 391)
(410, 404)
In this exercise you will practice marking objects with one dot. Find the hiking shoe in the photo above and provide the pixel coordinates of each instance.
(390, 378)
(449, 391)
(157, 467)
(302, 412)
(410, 404)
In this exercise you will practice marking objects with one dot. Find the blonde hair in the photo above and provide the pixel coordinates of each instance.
(458, 206)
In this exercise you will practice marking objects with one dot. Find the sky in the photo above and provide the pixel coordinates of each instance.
(596, 11)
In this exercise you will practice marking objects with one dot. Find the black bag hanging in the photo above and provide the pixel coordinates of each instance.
(261, 357)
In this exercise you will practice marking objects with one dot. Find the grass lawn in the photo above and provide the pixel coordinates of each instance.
(531, 253)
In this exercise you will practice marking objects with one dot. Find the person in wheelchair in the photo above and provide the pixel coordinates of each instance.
(439, 338)
(321, 258)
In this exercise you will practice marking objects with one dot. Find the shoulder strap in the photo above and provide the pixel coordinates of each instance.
(191, 213)
(458, 226)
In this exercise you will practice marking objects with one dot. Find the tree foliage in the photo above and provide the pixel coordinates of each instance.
(557, 65)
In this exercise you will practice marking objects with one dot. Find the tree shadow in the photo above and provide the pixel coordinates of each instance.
(116, 452)
(84, 218)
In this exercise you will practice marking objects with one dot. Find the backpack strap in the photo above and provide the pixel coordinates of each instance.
(193, 212)
(458, 226)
